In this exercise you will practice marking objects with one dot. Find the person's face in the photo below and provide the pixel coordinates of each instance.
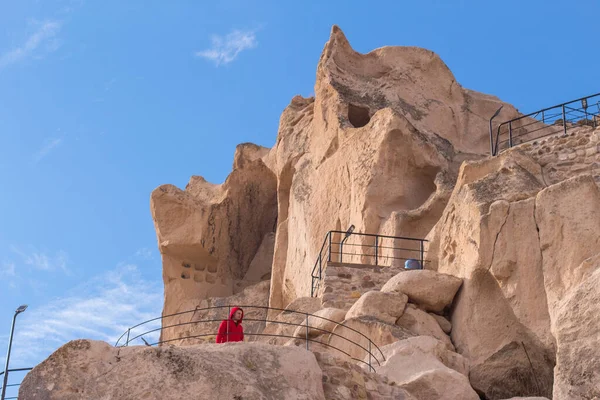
(237, 315)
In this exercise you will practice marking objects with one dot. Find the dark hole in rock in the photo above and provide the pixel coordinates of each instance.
(358, 116)
(186, 265)
(185, 275)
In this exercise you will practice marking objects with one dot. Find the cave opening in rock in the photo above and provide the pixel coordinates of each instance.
(358, 116)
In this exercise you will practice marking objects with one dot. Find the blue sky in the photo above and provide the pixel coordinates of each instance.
(102, 101)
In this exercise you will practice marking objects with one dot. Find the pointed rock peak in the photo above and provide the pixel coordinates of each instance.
(337, 36)
(337, 43)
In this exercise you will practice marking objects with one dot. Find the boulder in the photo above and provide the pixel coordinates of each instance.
(422, 324)
(426, 368)
(430, 290)
(577, 327)
(386, 307)
(85, 369)
(420, 353)
(320, 323)
(439, 384)
(443, 322)
(352, 337)
(568, 234)
(343, 380)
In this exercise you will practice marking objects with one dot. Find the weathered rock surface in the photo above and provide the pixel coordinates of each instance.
(343, 380)
(352, 337)
(443, 322)
(528, 398)
(515, 244)
(432, 291)
(386, 307)
(568, 218)
(421, 323)
(440, 384)
(209, 234)
(427, 369)
(83, 370)
(577, 330)
(420, 353)
(320, 323)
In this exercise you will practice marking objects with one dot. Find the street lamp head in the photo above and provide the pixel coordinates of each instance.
(21, 309)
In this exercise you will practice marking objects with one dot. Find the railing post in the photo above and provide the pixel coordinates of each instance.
(320, 266)
(329, 256)
(422, 251)
(543, 119)
(307, 331)
(227, 319)
(510, 139)
(564, 115)
(341, 250)
(376, 249)
(127, 342)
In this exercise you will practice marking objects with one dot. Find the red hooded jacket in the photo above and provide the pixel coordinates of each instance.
(235, 332)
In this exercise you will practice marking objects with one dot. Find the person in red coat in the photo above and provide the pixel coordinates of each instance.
(231, 330)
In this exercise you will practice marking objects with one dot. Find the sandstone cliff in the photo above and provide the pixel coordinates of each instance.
(391, 144)
(378, 146)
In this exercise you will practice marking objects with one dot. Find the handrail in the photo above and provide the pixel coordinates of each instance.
(547, 121)
(317, 271)
(14, 384)
(305, 323)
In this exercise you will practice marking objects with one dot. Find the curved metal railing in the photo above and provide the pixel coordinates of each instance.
(372, 352)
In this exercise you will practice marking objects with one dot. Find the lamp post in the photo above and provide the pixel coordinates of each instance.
(491, 131)
(12, 330)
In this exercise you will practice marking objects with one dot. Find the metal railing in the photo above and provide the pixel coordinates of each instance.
(13, 385)
(365, 248)
(548, 121)
(137, 332)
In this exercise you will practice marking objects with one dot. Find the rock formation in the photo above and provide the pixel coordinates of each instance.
(204, 372)
(212, 236)
(506, 306)
(521, 249)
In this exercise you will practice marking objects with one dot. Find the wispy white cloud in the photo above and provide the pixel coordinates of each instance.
(42, 40)
(43, 261)
(226, 48)
(7, 269)
(145, 253)
(101, 309)
(48, 147)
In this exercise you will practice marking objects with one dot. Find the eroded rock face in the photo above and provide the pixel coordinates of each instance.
(519, 247)
(576, 327)
(370, 150)
(228, 371)
(210, 234)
